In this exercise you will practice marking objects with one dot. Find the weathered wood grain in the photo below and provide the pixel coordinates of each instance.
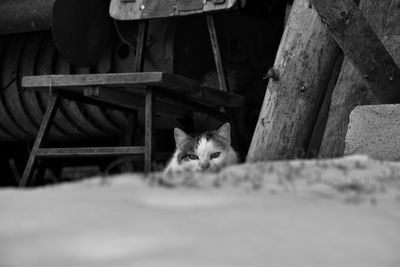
(305, 61)
(351, 89)
(89, 151)
(149, 9)
(323, 113)
(362, 46)
(136, 82)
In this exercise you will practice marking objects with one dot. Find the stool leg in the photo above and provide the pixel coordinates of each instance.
(132, 119)
(139, 63)
(149, 130)
(43, 130)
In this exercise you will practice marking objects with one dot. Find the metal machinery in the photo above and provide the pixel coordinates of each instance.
(78, 37)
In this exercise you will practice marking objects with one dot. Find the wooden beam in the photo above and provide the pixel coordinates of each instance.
(305, 61)
(351, 88)
(362, 46)
(173, 82)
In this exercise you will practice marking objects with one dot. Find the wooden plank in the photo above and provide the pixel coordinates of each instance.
(175, 106)
(205, 95)
(89, 151)
(174, 84)
(109, 79)
(150, 9)
(351, 89)
(43, 130)
(178, 84)
(192, 106)
(320, 124)
(362, 46)
(133, 101)
(305, 61)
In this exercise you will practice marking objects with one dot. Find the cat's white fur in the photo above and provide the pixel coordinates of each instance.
(204, 149)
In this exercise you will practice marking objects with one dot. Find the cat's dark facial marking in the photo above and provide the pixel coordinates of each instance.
(189, 145)
(215, 155)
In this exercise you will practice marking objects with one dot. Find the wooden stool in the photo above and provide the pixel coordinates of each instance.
(121, 91)
(128, 92)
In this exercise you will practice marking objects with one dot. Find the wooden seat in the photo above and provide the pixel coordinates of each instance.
(166, 83)
(135, 90)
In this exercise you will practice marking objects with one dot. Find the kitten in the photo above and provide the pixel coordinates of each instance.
(209, 151)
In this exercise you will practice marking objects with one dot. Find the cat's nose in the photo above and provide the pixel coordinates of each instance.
(204, 165)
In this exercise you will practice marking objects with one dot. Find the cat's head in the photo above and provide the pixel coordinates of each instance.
(206, 151)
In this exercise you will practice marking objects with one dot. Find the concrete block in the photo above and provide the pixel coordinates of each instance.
(374, 130)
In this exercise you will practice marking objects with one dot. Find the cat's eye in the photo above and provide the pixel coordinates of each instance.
(215, 155)
(193, 156)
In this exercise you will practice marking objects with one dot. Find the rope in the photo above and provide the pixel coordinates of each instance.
(123, 38)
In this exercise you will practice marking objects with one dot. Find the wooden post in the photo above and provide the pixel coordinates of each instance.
(304, 62)
(323, 113)
(362, 46)
(351, 88)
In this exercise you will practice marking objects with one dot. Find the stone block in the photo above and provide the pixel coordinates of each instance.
(374, 130)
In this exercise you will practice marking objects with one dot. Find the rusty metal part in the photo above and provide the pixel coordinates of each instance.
(25, 15)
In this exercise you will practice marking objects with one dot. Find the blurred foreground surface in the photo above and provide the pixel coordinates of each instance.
(343, 212)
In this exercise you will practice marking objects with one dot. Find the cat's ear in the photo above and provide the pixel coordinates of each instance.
(180, 137)
(225, 132)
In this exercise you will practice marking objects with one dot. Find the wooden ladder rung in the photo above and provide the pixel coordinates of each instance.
(89, 151)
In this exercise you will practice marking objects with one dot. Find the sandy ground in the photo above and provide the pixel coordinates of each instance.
(302, 213)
